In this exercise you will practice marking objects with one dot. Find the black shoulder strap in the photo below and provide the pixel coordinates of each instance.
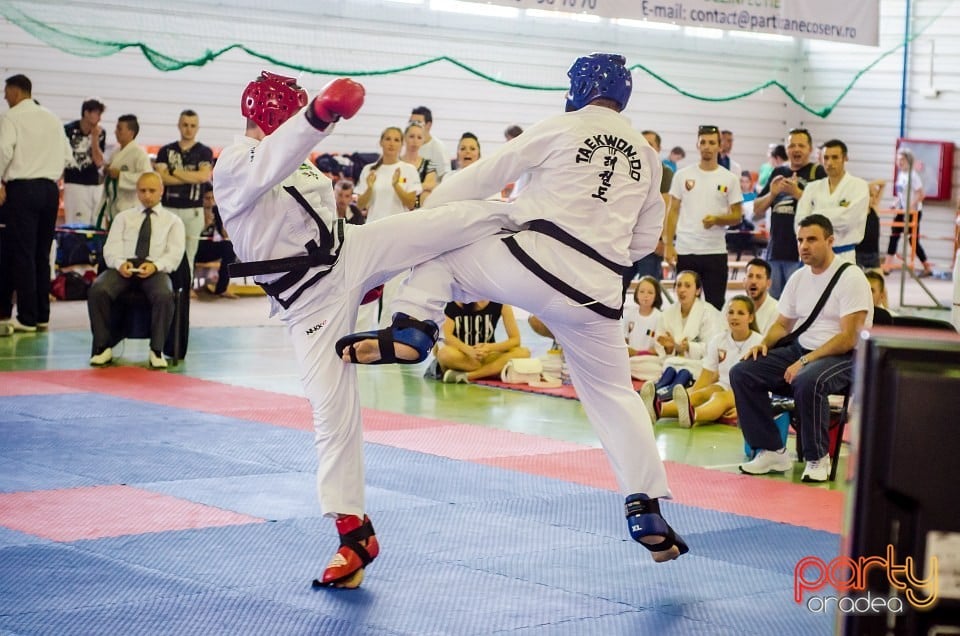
(820, 303)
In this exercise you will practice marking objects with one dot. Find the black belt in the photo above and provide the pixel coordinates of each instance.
(296, 267)
(556, 232)
(558, 284)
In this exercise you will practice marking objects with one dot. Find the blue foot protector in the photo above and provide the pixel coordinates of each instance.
(419, 334)
(644, 520)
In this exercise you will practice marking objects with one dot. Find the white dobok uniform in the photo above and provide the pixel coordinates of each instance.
(596, 178)
(257, 185)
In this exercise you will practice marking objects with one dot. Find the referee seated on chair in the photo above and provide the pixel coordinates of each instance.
(814, 361)
(144, 244)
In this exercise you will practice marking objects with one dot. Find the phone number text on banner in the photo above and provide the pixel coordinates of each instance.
(852, 22)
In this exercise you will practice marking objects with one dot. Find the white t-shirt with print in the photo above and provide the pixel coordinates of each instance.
(640, 331)
(703, 193)
(723, 352)
(385, 201)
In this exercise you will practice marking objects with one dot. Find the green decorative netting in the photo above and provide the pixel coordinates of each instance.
(85, 31)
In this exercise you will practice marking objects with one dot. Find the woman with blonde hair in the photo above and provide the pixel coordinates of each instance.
(386, 187)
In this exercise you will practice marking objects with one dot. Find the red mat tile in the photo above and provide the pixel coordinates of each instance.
(29, 384)
(463, 441)
(587, 466)
(760, 497)
(107, 511)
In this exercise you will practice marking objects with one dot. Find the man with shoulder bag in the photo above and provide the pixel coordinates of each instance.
(806, 352)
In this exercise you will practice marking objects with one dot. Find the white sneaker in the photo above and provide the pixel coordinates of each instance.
(768, 461)
(685, 412)
(817, 470)
(22, 328)
(6, 329)
(157, 361)
(102, 358)
(455, 377)
(648, 393)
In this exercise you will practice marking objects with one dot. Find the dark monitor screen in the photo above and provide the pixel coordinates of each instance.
(902, 529)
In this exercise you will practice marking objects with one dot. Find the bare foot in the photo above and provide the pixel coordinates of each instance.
(368, 351)
(662, 556)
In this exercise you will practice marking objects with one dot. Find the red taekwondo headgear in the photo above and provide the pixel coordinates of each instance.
(271, 100)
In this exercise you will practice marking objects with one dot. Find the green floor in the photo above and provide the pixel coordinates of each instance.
(261, 357)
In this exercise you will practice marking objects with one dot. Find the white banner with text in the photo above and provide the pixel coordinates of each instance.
(855, 22)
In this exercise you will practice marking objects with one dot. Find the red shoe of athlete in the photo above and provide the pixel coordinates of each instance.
(358, 547)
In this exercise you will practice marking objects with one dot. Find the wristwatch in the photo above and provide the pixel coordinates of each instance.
(803, 361)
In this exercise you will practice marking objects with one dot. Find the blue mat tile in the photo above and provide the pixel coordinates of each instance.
(601, 512)
(634, 623)
(422, 597)
(17, 475)
(210, 614)
(73, 406)
(124, 420)
(267, 496)
(12, 538)
(232, 557)
(274, 496)
(452, 481)
(624, 572)
(41, 578)
(762, 614)
(773, 546)
(134, 461)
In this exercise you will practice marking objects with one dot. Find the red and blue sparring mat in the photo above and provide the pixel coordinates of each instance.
(141, 502)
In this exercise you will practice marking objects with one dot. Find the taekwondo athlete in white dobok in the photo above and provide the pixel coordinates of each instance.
(841, 197)
(281, 214)
(591, 207)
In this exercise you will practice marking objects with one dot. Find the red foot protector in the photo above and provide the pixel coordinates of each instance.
(345, 569)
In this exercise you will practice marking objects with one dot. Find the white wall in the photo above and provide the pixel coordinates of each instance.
(360, 35)
(375, 34)
(868, 118)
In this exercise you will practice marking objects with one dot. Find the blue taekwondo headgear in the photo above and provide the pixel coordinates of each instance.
(599, 75)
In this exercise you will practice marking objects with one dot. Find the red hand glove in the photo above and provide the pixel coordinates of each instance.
(340, 98)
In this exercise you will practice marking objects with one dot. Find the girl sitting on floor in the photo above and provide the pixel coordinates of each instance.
(640, 320)
(469, 350)
(682, 335)
(711, 397)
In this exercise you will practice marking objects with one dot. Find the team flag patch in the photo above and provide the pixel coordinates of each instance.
(721, 188)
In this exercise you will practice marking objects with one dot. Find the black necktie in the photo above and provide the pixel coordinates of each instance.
(143, 239)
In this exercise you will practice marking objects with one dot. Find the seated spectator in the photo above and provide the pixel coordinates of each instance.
(640, 319)
(469, 350)
(815, 362)
(145, 243)
(758, 283)
(346, 208)
(683, 332)
(710, 397)
(878, 289)
(215, 245)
